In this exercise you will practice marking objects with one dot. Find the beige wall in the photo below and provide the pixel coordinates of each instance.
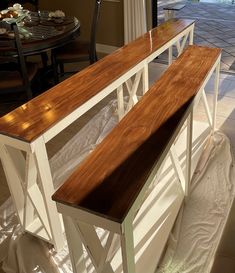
(110, 30)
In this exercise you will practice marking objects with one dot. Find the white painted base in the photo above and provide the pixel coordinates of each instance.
(150, 236)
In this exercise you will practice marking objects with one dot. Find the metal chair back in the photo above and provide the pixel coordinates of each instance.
(11, 54)
(94, 26)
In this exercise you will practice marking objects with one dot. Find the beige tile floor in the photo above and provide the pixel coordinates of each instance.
(214, 25)
(225, 259)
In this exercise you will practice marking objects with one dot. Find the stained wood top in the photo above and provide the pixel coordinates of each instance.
(109, 180)
(32, 119)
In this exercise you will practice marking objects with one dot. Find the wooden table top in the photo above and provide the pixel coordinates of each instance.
(47, 33)
(31, 120)
(108, 181)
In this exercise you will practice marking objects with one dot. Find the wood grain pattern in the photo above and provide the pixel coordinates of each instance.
(109, 180)
(34, 118)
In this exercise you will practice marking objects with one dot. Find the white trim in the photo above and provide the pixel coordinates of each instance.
(89, 218)
(16, 143)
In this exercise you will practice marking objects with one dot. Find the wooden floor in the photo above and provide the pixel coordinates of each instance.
(225, 259)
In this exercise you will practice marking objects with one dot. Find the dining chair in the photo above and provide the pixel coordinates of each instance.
(32, 5)
(16, 75)
(78, 50)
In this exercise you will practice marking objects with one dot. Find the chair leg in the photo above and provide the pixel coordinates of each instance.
(61, 68)
(29, 93)
(44, 58)
(93, 57)
(55, 68)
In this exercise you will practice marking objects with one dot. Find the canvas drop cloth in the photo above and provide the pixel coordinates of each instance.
(199, 226)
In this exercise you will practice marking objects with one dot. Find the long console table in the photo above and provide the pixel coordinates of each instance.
(25, 131)
(117, 185)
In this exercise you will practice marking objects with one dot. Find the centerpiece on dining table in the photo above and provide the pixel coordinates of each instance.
(57, 16)
(26, 19)
(16, 14)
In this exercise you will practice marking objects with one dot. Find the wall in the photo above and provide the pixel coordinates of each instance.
(110, 30)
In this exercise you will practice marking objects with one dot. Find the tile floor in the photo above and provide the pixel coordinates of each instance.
(214, 26)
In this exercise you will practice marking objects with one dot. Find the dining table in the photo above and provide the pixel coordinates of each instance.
(44, 33)
(40, 33)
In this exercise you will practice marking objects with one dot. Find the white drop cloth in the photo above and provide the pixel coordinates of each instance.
(83, 143)
(212, 190)
(199, 226)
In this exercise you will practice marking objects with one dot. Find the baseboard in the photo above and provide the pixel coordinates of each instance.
(102, 48)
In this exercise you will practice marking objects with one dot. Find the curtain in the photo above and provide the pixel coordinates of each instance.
(134, 19)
